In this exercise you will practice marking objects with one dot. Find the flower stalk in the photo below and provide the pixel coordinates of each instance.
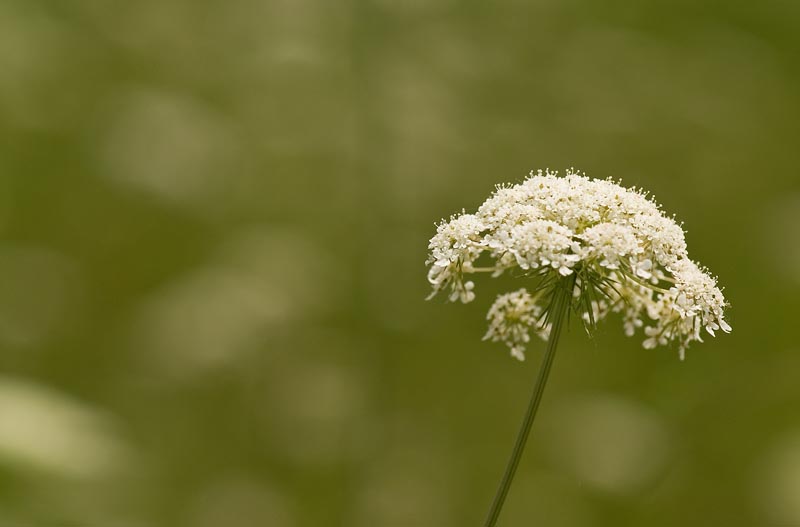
(560, 307)
(585, 245)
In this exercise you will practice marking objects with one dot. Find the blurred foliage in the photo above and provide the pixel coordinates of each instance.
(213, 221)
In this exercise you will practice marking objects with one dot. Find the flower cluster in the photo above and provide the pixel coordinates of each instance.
(511, 318)
(612, 245)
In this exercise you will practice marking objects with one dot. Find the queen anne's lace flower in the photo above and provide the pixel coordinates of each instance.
(622, 253)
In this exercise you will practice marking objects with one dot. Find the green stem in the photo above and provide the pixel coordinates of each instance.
(560, 307)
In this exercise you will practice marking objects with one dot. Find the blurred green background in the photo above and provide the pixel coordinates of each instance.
(213, 222)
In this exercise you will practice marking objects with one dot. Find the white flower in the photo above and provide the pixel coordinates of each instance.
(455, 247)
(621, 253)
(511, 318)
(542, 243)
(610, 242)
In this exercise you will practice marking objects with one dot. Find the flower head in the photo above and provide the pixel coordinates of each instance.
(622, 254)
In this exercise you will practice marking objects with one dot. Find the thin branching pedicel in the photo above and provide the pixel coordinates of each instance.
(626, 255)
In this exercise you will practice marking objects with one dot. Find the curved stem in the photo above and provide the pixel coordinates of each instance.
(560, 306)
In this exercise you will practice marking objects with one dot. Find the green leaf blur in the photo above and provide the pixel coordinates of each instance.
(213, 226)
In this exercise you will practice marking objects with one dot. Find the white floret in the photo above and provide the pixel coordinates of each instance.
(511, 318)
